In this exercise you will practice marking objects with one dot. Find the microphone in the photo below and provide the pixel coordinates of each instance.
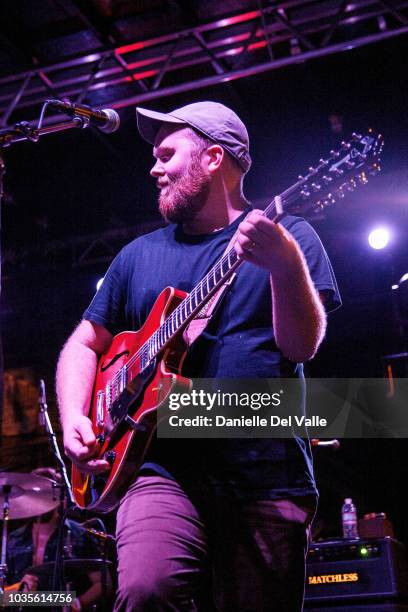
(106, 120)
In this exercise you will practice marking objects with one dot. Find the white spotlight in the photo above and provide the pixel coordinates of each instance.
(99, 283)
(379, 238)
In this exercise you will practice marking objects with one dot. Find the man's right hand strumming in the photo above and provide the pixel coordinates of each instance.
(78, 361)
(81, 446)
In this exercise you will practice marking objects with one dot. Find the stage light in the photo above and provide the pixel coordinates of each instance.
(379, 238)
(99, 283)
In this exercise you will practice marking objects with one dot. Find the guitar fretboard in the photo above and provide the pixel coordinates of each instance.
(190, 306)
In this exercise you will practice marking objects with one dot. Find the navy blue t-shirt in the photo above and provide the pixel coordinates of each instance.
(238, 343)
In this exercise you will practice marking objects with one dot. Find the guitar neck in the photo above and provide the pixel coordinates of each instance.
(330, 180)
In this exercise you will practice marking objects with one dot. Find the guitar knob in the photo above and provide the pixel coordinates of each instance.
(100, 439)
(110, 456)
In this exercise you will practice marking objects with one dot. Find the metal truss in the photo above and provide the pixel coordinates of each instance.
(273, 36)
(88, 250)
(79, 251)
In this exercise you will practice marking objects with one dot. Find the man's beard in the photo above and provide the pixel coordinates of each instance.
(186, 194)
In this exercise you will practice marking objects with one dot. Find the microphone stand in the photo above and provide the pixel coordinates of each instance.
(46, 422)
(65, 491)
(4, 538)
(24, 131)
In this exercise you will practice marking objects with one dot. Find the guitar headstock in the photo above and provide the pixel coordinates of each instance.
(336, 176)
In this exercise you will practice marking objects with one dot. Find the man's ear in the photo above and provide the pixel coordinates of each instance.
(214, 156)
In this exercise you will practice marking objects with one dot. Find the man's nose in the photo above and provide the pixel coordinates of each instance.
(157, 170)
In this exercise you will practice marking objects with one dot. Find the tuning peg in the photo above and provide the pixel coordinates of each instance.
(362, 177)
(340, 193)
(356, 137)
(316, 187)
(350, 164)
(345, 146)
(327, 179)
(334, 154)
(300, 177)
(305, 194)
(338, 171)
(323, 162)
(312, 170)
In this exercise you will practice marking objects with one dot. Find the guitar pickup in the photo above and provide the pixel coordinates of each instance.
(122, 378)
(100, 414)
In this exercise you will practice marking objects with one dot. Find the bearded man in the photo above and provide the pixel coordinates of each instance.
(241, 508)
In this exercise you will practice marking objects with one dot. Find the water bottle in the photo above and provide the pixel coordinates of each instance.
(349, 519)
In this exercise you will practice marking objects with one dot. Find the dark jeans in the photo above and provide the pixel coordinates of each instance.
(256, 550)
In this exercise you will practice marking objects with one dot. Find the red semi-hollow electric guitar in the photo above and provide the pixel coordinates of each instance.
(136, 375)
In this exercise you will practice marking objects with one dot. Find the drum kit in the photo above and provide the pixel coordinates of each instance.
(24, 496)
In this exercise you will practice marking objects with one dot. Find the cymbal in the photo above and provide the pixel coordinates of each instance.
(29, 495)
(72, 567)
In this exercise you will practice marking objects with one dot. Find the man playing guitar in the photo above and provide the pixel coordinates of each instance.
(240, 506)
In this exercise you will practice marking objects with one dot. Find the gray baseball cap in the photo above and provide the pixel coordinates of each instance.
(215, 121)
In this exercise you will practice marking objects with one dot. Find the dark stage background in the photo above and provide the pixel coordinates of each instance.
(65, 192)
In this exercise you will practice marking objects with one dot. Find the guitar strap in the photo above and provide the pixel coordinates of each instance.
(197, 325)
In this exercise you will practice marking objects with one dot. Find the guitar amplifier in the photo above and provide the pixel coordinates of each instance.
(355, 570)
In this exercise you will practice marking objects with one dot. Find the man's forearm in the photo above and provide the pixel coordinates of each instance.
(299, 318)
(75, 378)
